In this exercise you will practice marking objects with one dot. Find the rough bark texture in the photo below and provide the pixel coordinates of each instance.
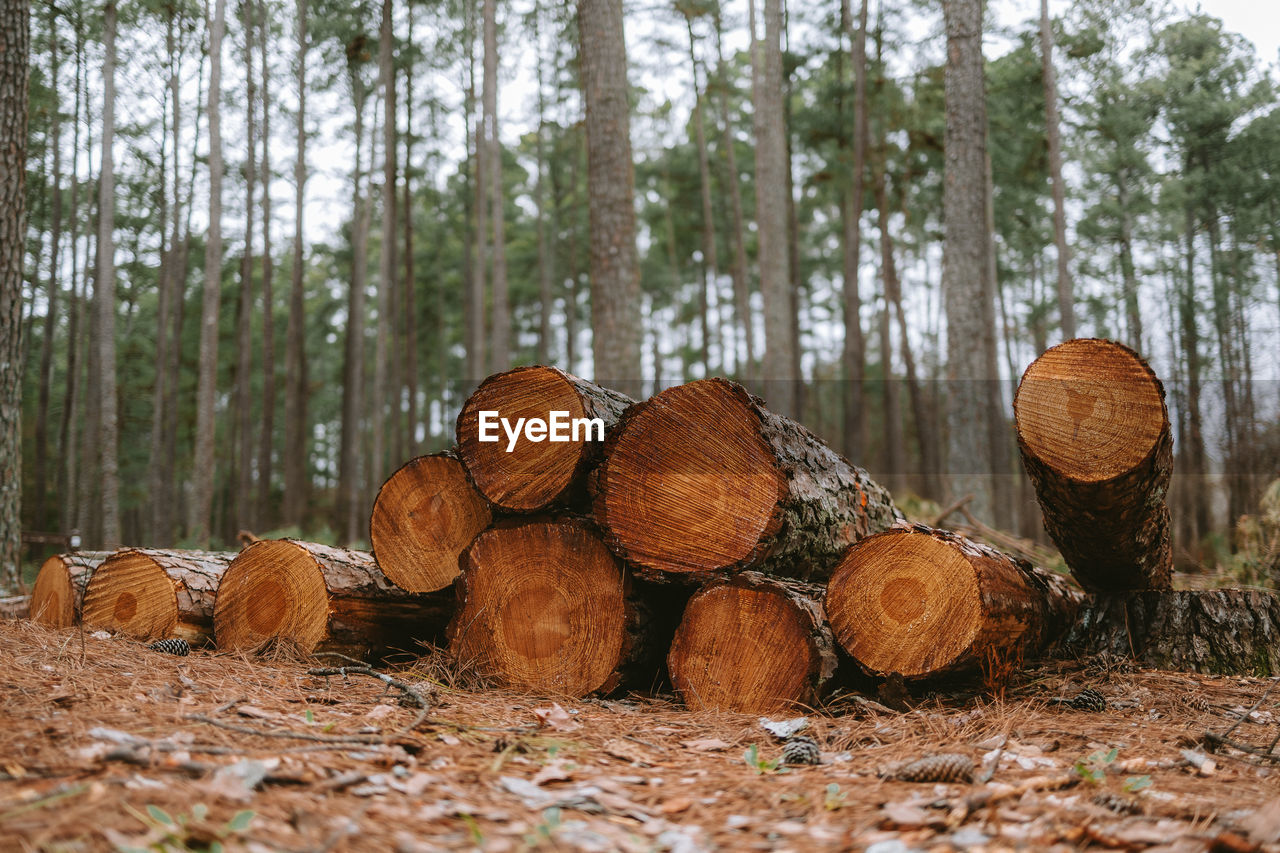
(611, 215)
(153, 594)
(383, 397)
(295, 405)
(544, 606)
(321, 599)
(703, 478)
(1095, 440)
(752, 644)
(58, 593)
(266, 512)
(500, 335)
(425, 515)
(924, 602)
(855, 348)
(1066, 299)
(104, 298)
(1223, 631)
(534, 475)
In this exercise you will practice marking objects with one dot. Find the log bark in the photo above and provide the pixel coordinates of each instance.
(15, 607)
(1222, 631)
(1094, 434)
(425, 514)
(702, 479)
(153, 594)
(320, 598)
(58, 593)
(923, 602)
(534, 475)
(752, 644)
(544, 606)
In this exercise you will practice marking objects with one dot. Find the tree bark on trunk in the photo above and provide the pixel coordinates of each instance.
(855, 347)
(105, 297)
(383, 406)
(615, 270)
(1066, 299)
(58, 593)
(152, 594)
(296, 491)
(266, 446)
(244, 493)
(1132, 311)
(895, 457)
(477, 361)
(500, 335)
(546, 257)
(408, 284)
(711, 263)
(68, 436)
(40, 515)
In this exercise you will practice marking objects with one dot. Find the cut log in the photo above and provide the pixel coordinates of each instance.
(15, 607)
(1094, 434)
(702, 478)
(423, 517)
(753, 644)
(58, 592)
(154, 594)
(320, 598)
(544, 606)
(922, 602)
(1222, 631)
(535, 474)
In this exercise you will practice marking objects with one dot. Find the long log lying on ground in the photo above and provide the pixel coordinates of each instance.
(530, 472)
(703, 478)
(1094, 434)
(58, 592)
(320, 598)
(922, 602)
(154, 594)
(423, 517)
(544, 606)
(752, 643)
(1223, 631)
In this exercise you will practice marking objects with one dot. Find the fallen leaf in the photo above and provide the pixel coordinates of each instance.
(706, 744)
(677, 805)
(785, 728)
(556, 718)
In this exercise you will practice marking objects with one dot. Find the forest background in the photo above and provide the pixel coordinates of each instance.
(272, 245)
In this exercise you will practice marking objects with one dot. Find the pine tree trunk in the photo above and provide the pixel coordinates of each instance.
(408, 284)
(58, 593)
(477, 362)
(266, 444)
(244, 493)
(615, 271)
(924, 602)
(500, 334)
(1066, 301)
(702, 479)
(295, 412)
(105, 297)
(752, 644)
(855, 347)
(895, 460)
(320, 598)
(381, 404)
(55, 286)
(1094, 434)
(68, 436)
(152, 594)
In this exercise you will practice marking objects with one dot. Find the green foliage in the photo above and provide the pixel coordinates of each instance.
(544, 832)
(759, 764)
(1093, 768)
(183, 833)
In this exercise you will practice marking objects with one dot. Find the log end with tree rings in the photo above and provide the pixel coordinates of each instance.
(518, 473)
(688, 484)
(425, 514)
(543, 606)
(273, 589)
(152, 594)
(58, 592)
(751, 644)
(1090, 409)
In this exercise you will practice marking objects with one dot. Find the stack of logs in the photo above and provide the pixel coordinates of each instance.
(716, 540)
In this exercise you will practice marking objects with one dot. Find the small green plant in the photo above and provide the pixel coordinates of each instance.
(183, 833)
(544, 831)
(1134, 784)
(473, 829)
(834, 799)
(759, 763)
(1093, 769)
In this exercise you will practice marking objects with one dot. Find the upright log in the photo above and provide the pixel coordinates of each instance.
(535, 473)
(922, 602)
(58, 592)
(423, 517)
(154, 594)
(544, 606)
(702, 478)
(1094, 434)
(321, 598)
(753, 644)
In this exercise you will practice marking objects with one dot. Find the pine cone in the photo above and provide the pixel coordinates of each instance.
(1088, 700)
(172, 646)
(948, 767)
(801, 749)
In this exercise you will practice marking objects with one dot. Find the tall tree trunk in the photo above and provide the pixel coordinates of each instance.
(15, 46)
(970, 331)
(267, 436)
(1066, 300)
(1127, 271)
(244, 515)
(88, 507)
(67, 483)
(711, 263)
(201, 506)
(778, 369)
(500, 334)
(40, 515)
(615, 271)
(1193, 449)
(295, 406)
(476, 361)
(408, 285)
(855, 346)
(546, 259)
(895, 458)
(571, 294)
(105, 295)
(382, 404)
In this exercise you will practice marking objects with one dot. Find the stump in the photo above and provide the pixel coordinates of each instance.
(154, 594)
(544, 606)
(319, 598)
(924, 602)
(535, 474)
(1094, 434)
(753, 644)
(423, 517)
(702, 478)
(1221, 631)
(58, 593)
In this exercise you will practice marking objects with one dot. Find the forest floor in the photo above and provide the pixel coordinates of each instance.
(106, 744)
